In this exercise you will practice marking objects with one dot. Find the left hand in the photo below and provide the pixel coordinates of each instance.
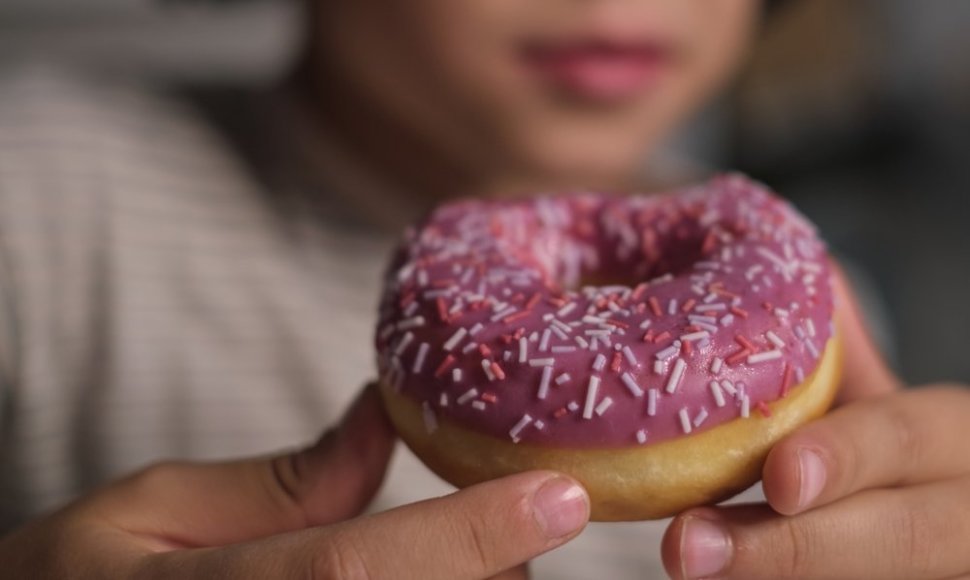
(878, 488)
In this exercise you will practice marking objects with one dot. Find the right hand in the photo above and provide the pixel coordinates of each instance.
(287, 517)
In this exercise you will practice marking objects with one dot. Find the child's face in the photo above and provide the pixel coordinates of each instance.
(548, 90)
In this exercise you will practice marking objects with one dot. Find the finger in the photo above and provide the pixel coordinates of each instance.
(916, 532)
(471, 534)
(221, 503)
(906, 438)
(865, 372)
(517, 573)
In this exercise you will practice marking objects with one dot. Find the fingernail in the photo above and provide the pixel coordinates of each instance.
(811, 475)
(561, 507)
(705, 548)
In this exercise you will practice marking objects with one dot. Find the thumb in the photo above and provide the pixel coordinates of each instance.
(206, 504)
(471, 534)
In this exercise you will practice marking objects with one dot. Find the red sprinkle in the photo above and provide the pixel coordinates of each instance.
(785, 380)
(661, 337)
(654, 306)
(764, 409)
(738, 356)
(747, 344)
(560, 412)
(533, 301)
(739, 312)
(442, 309)
(489, 397)
(617, 360)
(688, 306)
(515, 316)
(685, 348)
(617, 323)
(447, 362)
(497, 370)
(486, 352)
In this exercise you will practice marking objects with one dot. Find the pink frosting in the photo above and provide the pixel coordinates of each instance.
(722, 302)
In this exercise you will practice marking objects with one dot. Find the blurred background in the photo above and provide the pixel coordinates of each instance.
(857, 110)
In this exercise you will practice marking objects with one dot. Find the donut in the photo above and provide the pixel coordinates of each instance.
(654, 347)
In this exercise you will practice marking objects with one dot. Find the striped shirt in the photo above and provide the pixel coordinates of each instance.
(157, 301)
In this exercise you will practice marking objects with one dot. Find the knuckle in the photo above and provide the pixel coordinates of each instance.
(340, 559)
(905, 437)
(477, 546)
(799, 539)
(918, 538)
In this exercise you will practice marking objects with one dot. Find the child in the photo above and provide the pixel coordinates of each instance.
(175, 287)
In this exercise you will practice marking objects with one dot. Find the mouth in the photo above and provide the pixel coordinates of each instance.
(598, 70)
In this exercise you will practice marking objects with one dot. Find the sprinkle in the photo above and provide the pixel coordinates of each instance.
(563, 378)
(628, 354)
(455, 339)
(469, 347)
(641, 436)
(672, 306)
(478, 405)
(542, 362)
(695, 335)
(476, 328)
(599, 362)
(718, 394)
(654, 306)
(502, 314)
(652, 395)
(468, 396)
(540, 424)
(498, 372)
(810, 326)
(580, 341)
(409, 323)
(603, 406)
(739, 312)
(811, 347)
(745, 406)
(544, 382)
(594, 320)
(710, 307)
(645, 324)
(716, 365)
(764, 356)
(773, 338)
(669, 352)
(661, 337)
(563, 348)
(544, 341)
(700, 417)
(594, 383)
(685, 421)
(403, 344)
(430, 421)
(523, 349)
(631, 385)
(676, 375)
(785, 380)
(738, 356)
(522, 424)
(729, 387)
(658, 367)
(447, 362)
(487, 367)
(456, 375)
(617, 360)
(419, 358)
(727, 319)
(573, 406)
(443, 400)
(565, 310)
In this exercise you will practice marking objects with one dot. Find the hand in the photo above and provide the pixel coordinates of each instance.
(284, 517)
(878, 488)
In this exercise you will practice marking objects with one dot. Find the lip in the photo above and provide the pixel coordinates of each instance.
(597, 70)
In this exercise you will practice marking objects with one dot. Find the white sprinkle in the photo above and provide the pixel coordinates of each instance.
(676, 375)
(476, 328)
(594, 383)
(544, 341)
(563, 378)
(628, 355)
(456, 375)
(563, 348)
(727, 319)
(523, 349)
(565, 310)
(603, 406)
(522, 424)
(645, 324)
(668, 352)
(652, 395)
(468, 396)
(487, 367)
(799, 375)
(409, 323)
(562, 326)
(540, 424)
(405, 341)
(700, 417)
(709, 307)
(558, 332)
(469, 347)
(443, 400)
(594, 320)
(811, 347)
(718, 394)
(419, 358)
(597, 332)
(716, 365)
(764, 356)
(572, 406)
(781, 313)
(641, 436)
(631, 384)
(422, 278)
(685, 420)
(695, 336)
(430, 421)
(672, 306)
(542, 362)
(774, 339)
(810, 326)
(745, 406)
(581, 342)
(507, 356)
(544, 382)
(658, 367)
(455, 339)
(478, 405)
(386, 332)
(729, 387)
(599, 362)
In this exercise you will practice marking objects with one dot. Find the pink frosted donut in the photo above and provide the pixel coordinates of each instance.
(653, 347)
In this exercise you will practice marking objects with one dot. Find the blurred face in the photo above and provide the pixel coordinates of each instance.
(549, 91)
